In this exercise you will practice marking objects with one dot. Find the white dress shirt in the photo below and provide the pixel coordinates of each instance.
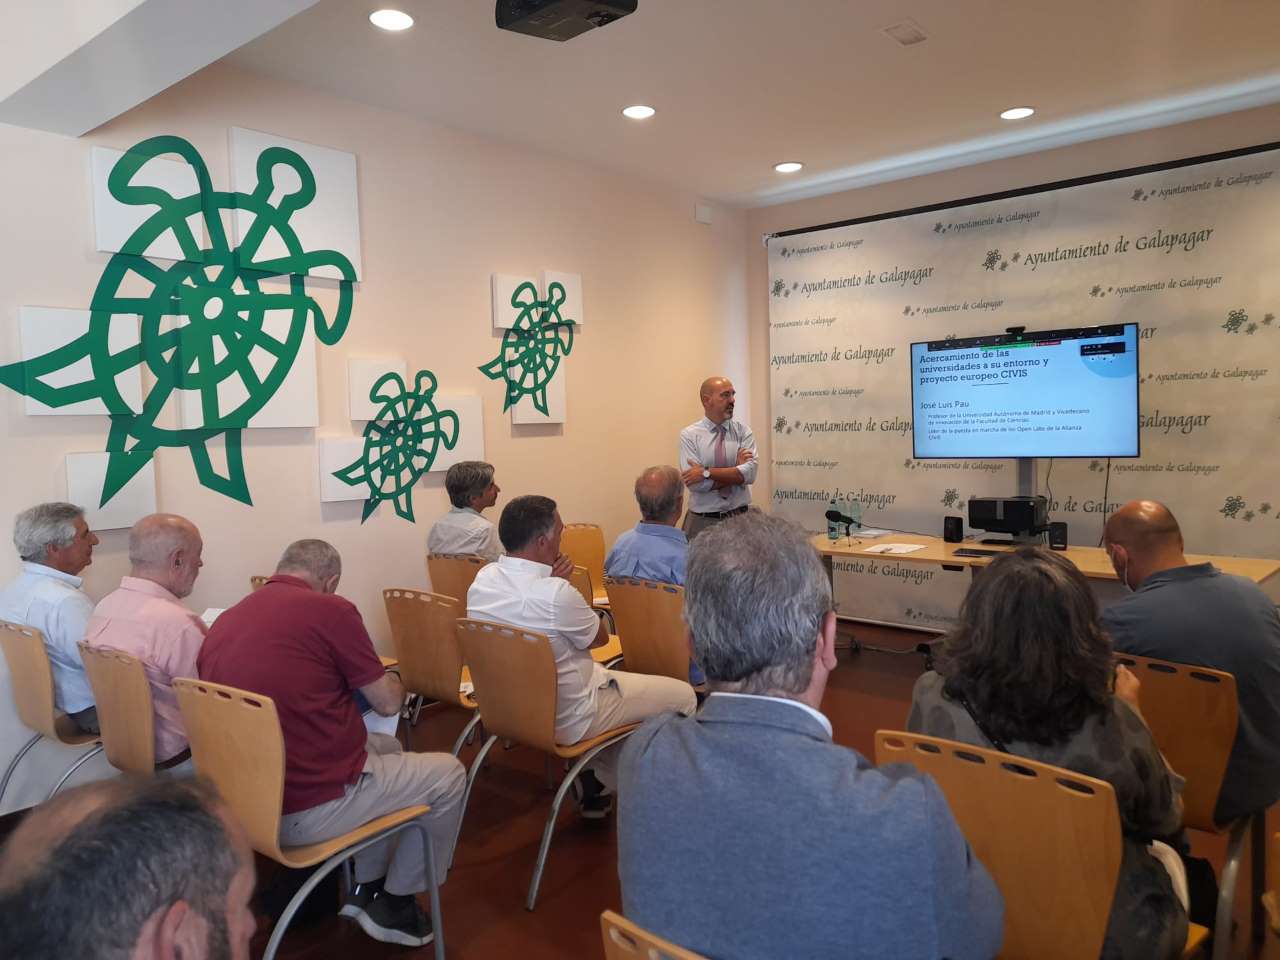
(522, 593)
(53, 603)
(698, 443)
(463, 530)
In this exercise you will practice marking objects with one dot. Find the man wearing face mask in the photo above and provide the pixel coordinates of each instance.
(1194, 613)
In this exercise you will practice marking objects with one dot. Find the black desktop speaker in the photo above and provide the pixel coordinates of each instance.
(953, 529)
(1057, 536)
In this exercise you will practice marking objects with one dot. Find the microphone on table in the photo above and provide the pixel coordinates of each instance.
(837, 518)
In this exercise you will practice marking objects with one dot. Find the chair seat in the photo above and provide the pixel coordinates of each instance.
(600, 598)
(310, 854)
(609, 651)
(388, 662)
(70, 734)
(582, 746)
(1196, 937)
(468, 700)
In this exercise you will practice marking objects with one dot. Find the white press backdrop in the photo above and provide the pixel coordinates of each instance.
(1191, 253)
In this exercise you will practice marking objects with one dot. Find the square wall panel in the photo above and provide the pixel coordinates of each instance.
(571, 310)
(470, 445)
(331, 221)
(362, 374)
(115, 222)
(45, 329)
(86, 473)
(337, 453)
(502, 286)
(524, 411)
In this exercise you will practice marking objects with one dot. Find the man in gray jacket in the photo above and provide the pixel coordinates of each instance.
(743, 831)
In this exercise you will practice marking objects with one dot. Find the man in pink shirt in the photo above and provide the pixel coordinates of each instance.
(145, 618)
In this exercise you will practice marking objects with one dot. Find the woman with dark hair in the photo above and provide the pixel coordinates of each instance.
(1028, 670)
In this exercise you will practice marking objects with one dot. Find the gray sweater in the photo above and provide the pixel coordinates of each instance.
(744, 832)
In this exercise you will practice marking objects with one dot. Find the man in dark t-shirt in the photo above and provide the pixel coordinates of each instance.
(294, 640)
(1194, 613)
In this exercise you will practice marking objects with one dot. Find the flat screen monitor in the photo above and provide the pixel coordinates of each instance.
(1053, 393)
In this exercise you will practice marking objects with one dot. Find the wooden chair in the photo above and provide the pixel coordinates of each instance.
(515, 676)
(451, 574)
(31, 677)
(624, 940)
(236, 742)
(1271, 899)
(125, 711)
(1050, 838)
(424, 631)
(611, 652)
(583, 543)
(650, 627)
(1192, 713)
(257, 581)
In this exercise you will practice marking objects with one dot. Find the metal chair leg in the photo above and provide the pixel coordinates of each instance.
(13, 764)
(433, 889)
(547, 830)
(465, 735)
(472, 772)
(1258, 875)
(1227, 889)
(74, 767)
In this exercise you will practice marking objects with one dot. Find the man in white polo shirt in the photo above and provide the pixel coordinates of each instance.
(529, 588)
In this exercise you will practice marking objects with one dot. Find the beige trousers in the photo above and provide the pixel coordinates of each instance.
(391, 780)
(630, 698)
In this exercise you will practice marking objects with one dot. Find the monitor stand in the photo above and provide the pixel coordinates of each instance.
(1016, 540)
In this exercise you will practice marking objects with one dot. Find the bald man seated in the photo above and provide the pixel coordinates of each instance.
(1194, 613)
(718, 459)
(128, 869)
(146, 618)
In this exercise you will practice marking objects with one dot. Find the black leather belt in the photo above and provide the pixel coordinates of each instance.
(722, 514)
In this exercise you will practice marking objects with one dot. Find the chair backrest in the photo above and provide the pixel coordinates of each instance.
(257, 581)
(514, 673)
(624, 940)
(653, 637)
(1192, 714)
(236, 742)
(1050, 838)
(424, 631)
(580, 580)
(31, 677)
(583, 543)
(125, 714)
(451, 574)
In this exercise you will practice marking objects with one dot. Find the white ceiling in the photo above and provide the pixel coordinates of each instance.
(742, 84)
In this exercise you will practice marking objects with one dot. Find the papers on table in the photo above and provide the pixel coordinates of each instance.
(870, 533)
(211, 615)
(466, 688)
(895, 548)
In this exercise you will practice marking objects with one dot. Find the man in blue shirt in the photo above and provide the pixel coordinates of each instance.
(717, 459)
(55, 544)
(1194, 613)
(656, 549)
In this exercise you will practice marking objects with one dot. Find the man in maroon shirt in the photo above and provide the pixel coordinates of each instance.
(297, 642)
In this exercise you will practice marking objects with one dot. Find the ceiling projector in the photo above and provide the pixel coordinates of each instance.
(559, 19)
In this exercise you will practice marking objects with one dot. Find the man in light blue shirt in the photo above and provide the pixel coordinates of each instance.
(718, 457)
(55, 544)
(655, 549)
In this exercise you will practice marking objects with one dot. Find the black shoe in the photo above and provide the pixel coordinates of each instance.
(594, 803)
(396, 919)
(361, 896)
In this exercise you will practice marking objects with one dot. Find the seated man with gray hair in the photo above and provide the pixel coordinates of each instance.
(656, 548)
(471, 489)
(55, 545)
(299, 643)
(744, 831)
(146, 618)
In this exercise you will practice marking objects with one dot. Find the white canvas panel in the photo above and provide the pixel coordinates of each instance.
(114, 222)
(362, 374)
(470, 445)
(571, 309)
(502, 286)
(331, 221)
(557, 407)
(336, 453)
(86, 473)
(46, 328)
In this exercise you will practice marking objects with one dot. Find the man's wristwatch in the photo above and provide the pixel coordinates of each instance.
(706, 474)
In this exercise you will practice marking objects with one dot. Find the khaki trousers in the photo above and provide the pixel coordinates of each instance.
(391, 780)
(630, 698)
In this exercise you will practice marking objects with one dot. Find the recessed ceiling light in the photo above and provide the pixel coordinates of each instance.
(638, 112)
(1017, 113)
(790, 166)
(393, 20)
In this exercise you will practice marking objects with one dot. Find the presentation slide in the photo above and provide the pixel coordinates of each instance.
(1054, 393)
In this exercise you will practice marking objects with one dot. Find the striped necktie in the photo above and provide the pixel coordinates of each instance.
(720, 459)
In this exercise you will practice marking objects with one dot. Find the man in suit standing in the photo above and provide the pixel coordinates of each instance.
(743, 831)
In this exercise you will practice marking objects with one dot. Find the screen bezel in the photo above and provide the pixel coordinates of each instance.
(1032, 336)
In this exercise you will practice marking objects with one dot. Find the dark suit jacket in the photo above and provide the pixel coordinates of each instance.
(744, 832)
